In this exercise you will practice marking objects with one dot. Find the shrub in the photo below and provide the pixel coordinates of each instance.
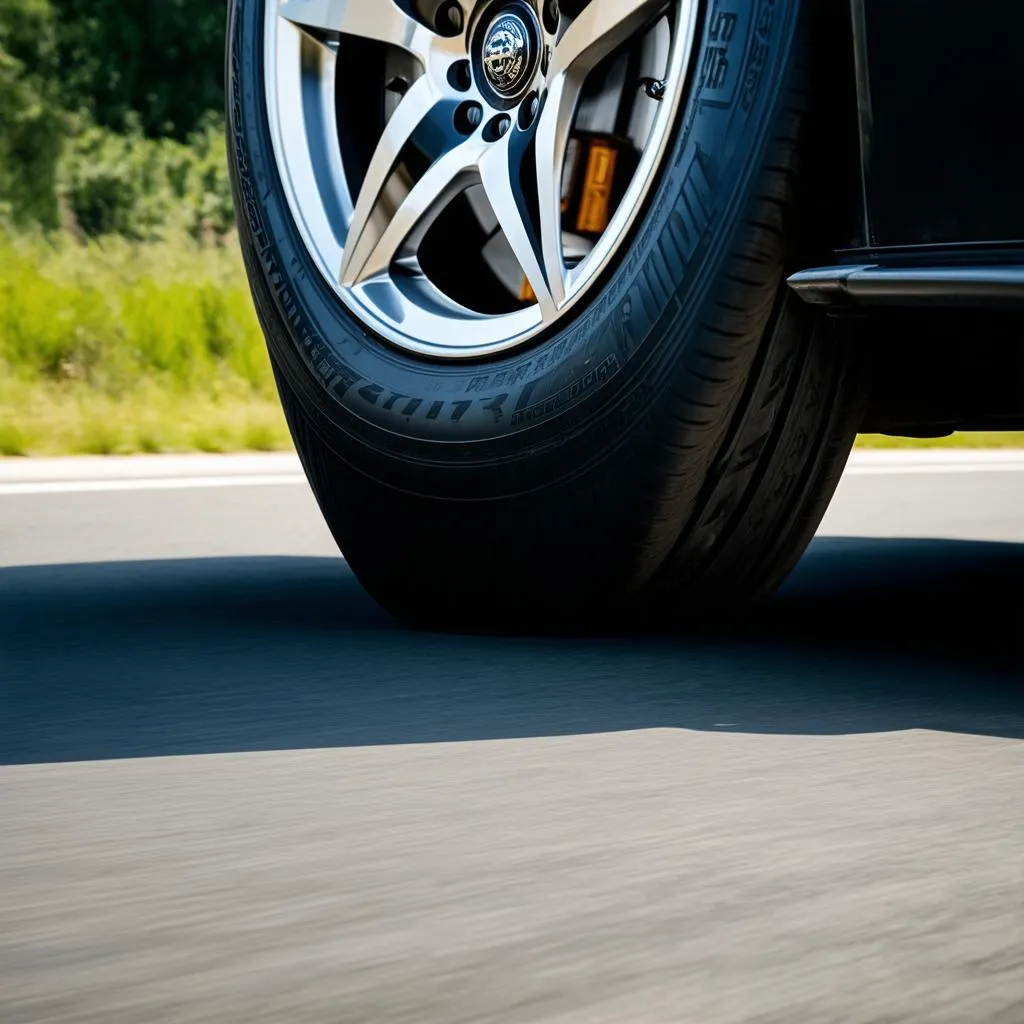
(141, 189)
(110, 115)
(111, 313)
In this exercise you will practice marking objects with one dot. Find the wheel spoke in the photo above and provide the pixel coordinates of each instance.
(600, 28)
(590, 37)
(369, 219)
(380, 20)
(552, 137)
(414, 108)
(499, 174)
(409, 221)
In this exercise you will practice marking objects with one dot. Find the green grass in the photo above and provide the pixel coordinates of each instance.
(42, 418)
(114, 347)
(967, 439)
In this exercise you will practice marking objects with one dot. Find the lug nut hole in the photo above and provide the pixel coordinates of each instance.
(447, 18)
(528, 111)
(468, 117)
(551, 16)
(460, 76)
(497, 127)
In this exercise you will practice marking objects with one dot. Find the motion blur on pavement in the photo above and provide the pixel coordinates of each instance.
(234, 790)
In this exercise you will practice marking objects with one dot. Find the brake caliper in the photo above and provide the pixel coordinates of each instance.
(598, 169)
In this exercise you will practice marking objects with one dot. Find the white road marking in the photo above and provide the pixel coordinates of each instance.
(935, 468)
(154, 484)
(94, 474)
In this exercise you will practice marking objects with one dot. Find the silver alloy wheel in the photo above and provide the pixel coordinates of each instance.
(503, 78)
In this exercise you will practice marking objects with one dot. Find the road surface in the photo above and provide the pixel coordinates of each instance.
(235, 791)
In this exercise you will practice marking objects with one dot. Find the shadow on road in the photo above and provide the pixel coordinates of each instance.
(161, 658)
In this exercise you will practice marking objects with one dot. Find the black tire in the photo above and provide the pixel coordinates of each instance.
(673, 448)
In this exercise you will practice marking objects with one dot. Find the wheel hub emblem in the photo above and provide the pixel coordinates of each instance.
(507, 56)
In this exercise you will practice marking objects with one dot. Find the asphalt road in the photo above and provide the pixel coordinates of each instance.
(235, 791)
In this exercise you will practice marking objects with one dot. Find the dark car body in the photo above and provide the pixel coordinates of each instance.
(920, 176)
(940, 118)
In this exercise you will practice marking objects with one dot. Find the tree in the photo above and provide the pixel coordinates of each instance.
(163, 61)
(32, 123)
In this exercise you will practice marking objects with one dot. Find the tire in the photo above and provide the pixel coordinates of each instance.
(667, 452)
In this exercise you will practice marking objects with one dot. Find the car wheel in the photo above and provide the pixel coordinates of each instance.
(521, 273)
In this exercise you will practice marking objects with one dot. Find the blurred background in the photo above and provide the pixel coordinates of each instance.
(125, 320)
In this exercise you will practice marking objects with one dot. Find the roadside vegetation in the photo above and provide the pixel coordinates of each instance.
(119, 346)
(125, 319)
(964, 439)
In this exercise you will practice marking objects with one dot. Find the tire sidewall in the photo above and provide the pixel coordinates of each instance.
(611, 360)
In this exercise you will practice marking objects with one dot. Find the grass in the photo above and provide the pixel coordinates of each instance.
(967, 439)
(112, 347)
(42, 418)
(118, 348)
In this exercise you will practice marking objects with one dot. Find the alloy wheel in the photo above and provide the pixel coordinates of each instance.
(428, 148)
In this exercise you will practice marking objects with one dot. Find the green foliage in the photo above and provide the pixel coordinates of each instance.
(140, 188)
(31, 120)
(133, 330)
(115, 346)
(109, 314)
(964, 439)
(157, 65)
(110, 116)
(67, 418)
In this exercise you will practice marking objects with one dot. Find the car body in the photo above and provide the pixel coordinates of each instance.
(921, 201)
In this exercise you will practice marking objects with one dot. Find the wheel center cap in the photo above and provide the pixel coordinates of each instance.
(509, 53)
